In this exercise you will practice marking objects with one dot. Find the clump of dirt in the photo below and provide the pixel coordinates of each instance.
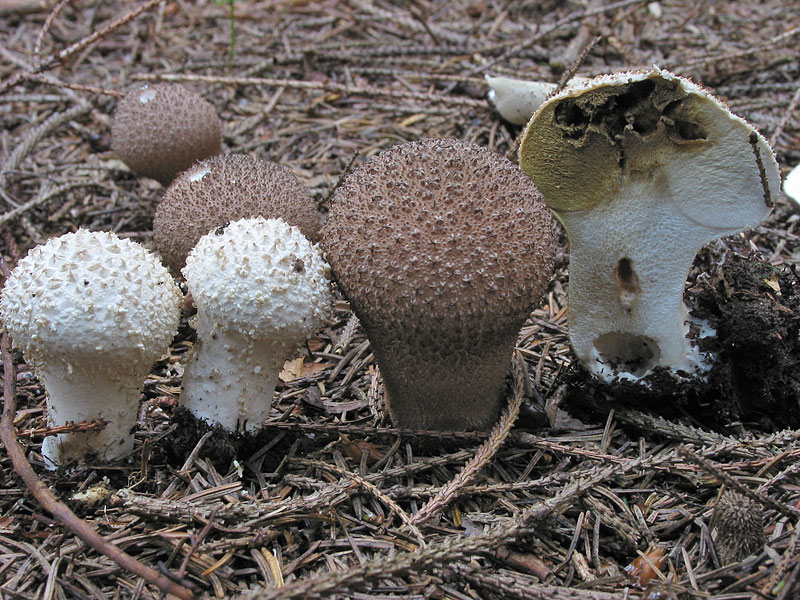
(755, 309)
(223, 446)
(755, 380)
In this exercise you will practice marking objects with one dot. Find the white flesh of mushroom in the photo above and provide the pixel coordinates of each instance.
(261, 288)
(92, 313)
(643, 169)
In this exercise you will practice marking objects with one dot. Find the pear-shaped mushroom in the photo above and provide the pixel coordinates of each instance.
(442, 248)
(92, 312)
(642, 169)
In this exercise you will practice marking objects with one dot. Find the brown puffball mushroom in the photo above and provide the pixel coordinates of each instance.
(160, 129)
(227, 188)
(442, 248)
(738, 527)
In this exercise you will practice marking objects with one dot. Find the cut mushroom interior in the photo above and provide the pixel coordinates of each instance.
(643, 169)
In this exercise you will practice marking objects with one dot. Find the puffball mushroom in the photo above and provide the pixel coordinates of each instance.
(92, 312)
(791, 186)
(224, 189)
(738, 525)
(442, 248)
(260, 288)
(517, 99)
(642, 169)
(160, 129)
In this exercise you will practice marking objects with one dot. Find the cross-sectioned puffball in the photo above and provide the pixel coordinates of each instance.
(643, 169)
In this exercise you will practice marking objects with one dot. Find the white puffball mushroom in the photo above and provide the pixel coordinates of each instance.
(517, 99)
(92, 312)
(791, 186)
(261, 288)
(643, 169)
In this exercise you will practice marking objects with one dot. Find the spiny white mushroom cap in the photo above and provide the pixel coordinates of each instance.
(261, 277)
(87, 294)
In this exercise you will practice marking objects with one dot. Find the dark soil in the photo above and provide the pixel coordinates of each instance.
(754, 383)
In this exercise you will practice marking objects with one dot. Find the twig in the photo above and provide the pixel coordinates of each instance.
(347, 334)
(96, 425)
(31, 139)
(544, 31)
(48, 22)
(569, 73)
(197, 540)
(336, 428)
(785, 119)
(59, 57)
(44, 198)
(511, 584)
(345, 172)
(50, 503)
(329, 86)
(784, 564)
(768, 45)
(372, 489)
(439, 554)
(784, 509)
(49, 79)
(761, 171)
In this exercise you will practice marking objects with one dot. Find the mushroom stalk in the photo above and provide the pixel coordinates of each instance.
(230, 377)
(626, 313)
(437, 387)
(87, 392)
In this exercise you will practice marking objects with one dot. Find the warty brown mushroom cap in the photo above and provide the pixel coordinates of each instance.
(227, 188)
(160, 129)
(442, 248)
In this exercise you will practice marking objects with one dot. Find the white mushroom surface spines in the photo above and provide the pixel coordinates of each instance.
(260, 288)
(92, 312)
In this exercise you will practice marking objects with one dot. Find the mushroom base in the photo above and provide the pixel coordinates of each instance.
(623, 356)
(754, 310)
(230, 379)
(111, 399)
(446, 389)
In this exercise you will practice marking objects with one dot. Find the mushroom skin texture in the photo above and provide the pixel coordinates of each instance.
(92, 312)
(261, 288)
(227, 188)
(160, 129)
(643, 169)
(442, 248)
